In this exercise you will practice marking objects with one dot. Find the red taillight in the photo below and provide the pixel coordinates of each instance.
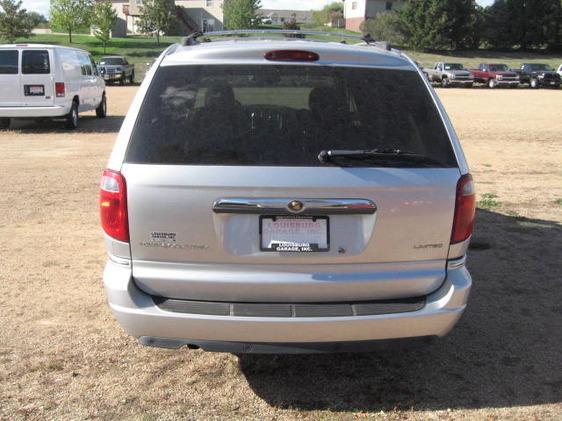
(59, 89)
(291, 55)
(113, 205)
(465, 208)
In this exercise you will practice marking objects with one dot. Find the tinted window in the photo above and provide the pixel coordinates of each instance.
(8, 62)
(283, 115)
(112, 61)
(35, 62)
(85, 64)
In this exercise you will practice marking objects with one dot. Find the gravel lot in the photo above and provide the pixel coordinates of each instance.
(63, 356)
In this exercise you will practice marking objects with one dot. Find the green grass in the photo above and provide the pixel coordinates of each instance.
(558, 202)
(488, 201)
(141, 50)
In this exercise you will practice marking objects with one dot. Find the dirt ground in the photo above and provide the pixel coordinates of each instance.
(62, 355)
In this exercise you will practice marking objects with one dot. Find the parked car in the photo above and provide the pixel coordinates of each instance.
(495, 75)
(449, 74)
(117, 69)
(48, 81)
(559, 71)
(286, 196)
(538, 75)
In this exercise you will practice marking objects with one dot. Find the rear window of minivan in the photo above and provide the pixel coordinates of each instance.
(35, 62)
(284, 115)
(8, 62)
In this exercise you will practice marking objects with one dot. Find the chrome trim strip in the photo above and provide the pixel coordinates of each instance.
(277, 206)
(456, 263)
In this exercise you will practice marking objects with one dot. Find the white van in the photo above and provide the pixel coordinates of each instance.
(48, 81)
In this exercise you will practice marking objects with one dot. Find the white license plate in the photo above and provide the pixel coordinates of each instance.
(294, 234)
(35, 90)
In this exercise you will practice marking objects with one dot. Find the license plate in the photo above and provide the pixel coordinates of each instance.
(298, 234)
(34, 90)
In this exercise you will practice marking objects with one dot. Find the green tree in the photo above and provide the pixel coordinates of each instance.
(37, 19)
(329, 12)
(437, 24)
(103, 17)
(157, 16)
(241, 14)
(384, 27)
(14, 21)
(70, 14)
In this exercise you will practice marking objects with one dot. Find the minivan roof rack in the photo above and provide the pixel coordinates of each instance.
(192, 38)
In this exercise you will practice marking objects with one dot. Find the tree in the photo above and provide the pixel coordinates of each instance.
(384, 27)
(103, 17)
(70, 14)
(14, 21)
(328, 13)
(157, 16)
(437, 24)
(241, 14)
(37, 19)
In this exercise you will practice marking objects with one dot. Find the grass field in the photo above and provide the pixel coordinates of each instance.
(141, 50)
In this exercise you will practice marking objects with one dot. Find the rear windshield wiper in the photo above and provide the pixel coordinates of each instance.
(376, 154)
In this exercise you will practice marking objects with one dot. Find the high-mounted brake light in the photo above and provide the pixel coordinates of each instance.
(465, 209)
(59, 89)
(113, 205)
(291, 55)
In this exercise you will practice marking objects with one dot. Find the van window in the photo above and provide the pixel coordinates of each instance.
(35, 62)
(284, 115)
(85, 64)
(8, 62)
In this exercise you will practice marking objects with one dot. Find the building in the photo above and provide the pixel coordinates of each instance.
(357, 11)
(279, 17)
(193, 15)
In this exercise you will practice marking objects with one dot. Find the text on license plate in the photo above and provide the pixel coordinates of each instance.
(294, 233)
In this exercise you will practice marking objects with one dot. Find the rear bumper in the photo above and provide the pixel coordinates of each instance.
(141, 317)
(34, 112)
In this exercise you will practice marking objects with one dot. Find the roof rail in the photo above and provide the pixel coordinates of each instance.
(192, 38)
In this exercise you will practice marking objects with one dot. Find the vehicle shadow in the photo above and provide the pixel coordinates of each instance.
(87, 124)
(505, 351)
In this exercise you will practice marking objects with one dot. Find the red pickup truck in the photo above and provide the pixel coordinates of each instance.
(495, 75)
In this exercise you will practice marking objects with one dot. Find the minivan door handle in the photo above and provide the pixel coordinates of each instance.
(280, 206)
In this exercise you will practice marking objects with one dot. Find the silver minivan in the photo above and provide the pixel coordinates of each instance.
(283, 195)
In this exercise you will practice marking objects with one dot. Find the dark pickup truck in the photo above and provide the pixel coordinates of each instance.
(494, 75)
(538, 75)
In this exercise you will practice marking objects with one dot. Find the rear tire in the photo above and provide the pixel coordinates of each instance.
(101, 111)
(492, 83)
(4, 123)
(72, 117)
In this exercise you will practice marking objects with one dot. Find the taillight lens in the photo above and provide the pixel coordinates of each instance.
(465, 208)
(291, 55)
(59, 89)
(113, 205)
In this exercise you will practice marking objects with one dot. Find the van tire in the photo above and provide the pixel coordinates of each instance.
(101, 111)
(72, 117)
(4, 123)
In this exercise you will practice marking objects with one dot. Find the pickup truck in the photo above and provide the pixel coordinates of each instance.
(449, 74)
(538, 75)
(116, 69)
(495, 75)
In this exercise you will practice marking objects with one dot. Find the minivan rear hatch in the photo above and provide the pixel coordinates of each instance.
(229, 201)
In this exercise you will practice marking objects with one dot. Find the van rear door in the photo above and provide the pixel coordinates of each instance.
(10, 93)
(37, 77)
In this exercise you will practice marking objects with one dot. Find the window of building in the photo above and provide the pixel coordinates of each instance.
(388, 5)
